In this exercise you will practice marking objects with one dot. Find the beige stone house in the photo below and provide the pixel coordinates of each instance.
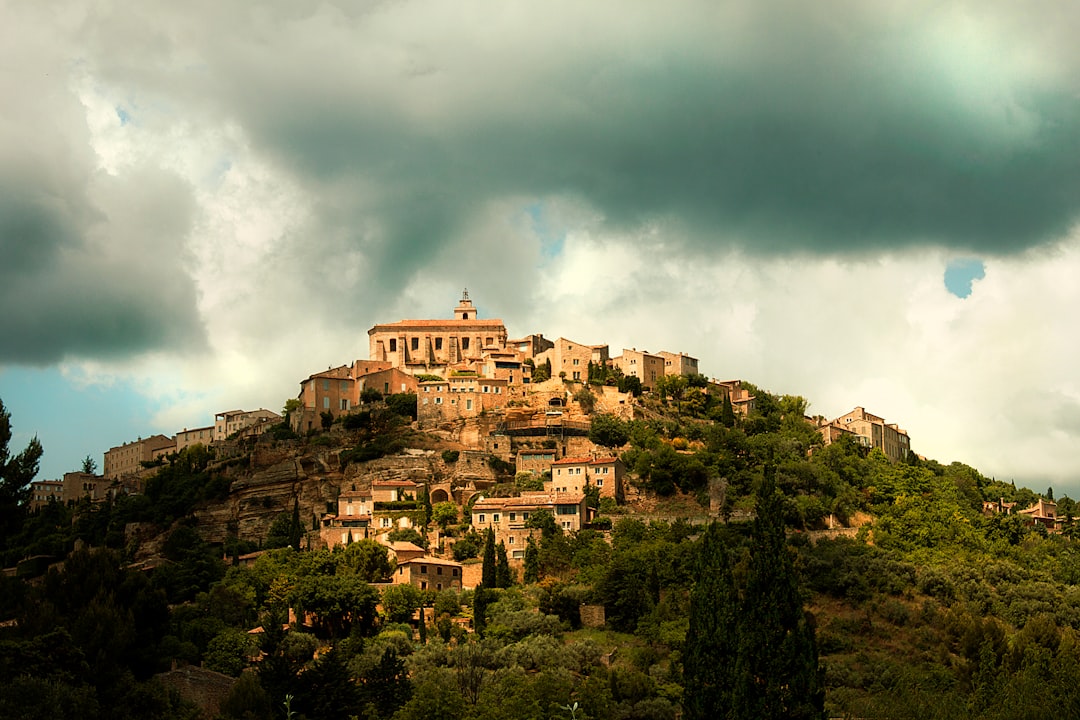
(507, 516)
(740, 398)
(872, 431)
(641, 364)
(679, 363)
(574, 474)
(249, 422)
(1043, 512)
(338, 390)
(77, 485)
(44, 491)
(428, 573)
(572, 358)
(195, 436)
(127, 459)
(535, 461)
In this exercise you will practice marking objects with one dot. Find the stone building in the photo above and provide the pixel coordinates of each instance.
(429, 346)
(641, 364)
(679, 363)
(196, 436)
(127, 459)
(574, 474)
(254, 422)
(44, 491)
(428, 573)
(507, 516)
(570, 360)
(873, 432)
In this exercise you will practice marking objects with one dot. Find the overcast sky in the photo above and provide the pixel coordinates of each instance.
(871, 204)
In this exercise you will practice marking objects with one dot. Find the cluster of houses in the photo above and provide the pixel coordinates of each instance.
(125, 465)
(465, 368)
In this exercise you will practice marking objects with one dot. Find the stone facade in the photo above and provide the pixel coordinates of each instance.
(196, 436)
(428, 573)
(679, 363)
(231, 422)
(572, 358)
(873, 432)
(429, 346)
(574, 474)
(127, 459)
(507, 516)
(641, 364)
(44, 491)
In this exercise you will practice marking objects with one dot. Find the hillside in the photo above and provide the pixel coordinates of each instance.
(924, 606)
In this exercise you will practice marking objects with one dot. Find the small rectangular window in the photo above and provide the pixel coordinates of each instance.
(495, 517)
(481, 518)
(415, 343)
(464, 343)
(438, 343)
(393, 346)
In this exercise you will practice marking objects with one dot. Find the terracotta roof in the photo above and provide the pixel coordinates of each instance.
(604, 460)
(428, 560)
(573, 461)
(438, 323)
(393, 483)
(402, 546)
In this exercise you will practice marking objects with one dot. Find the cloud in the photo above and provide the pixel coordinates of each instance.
(91, 265)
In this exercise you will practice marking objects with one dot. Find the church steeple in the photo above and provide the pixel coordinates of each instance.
(465, 310)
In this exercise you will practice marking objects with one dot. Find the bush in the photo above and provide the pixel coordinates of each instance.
(450, 456)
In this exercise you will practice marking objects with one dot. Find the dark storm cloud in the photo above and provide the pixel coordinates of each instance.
(89, 263)
(105, 282)
(809, 136)
(826, 128)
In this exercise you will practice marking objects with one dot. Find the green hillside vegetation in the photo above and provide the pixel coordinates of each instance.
(922, 607)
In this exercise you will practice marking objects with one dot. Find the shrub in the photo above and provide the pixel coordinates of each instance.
(450, 456)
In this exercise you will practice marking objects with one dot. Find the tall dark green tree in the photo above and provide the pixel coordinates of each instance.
(532, 562)
(711, 641)
(296, 532)
(503, 577)
(16, 472)
(777, 670)
(488, 576)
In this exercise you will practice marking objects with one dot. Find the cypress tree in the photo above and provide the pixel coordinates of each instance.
(488, 575)
(711, 641)
(532, 562)
(503, 577)
(296, 533)
(777, 671)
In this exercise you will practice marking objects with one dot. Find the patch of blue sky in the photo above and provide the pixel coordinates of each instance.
(961, 273)
(70, 419)
(552, 241)
(124, 116)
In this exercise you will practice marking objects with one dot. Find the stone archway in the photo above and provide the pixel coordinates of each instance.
(439, 495)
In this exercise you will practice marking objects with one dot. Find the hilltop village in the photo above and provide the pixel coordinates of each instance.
(527, 402)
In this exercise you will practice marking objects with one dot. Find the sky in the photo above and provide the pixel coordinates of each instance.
(866, 204)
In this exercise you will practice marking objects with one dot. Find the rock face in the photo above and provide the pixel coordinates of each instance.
(276, 476)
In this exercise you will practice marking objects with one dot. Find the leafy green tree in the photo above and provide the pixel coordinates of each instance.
(544, 521)
(608, 431)
(400, 602)
(340, 602)
(326, 418)
(403, 404)
(585, 399)
(444, 514)
(228, 652)
(89, 466)
(246, 700)
(366, 559)
(16, 473)
(370, 395)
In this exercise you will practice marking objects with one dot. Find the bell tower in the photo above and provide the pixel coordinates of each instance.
(465, 310)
